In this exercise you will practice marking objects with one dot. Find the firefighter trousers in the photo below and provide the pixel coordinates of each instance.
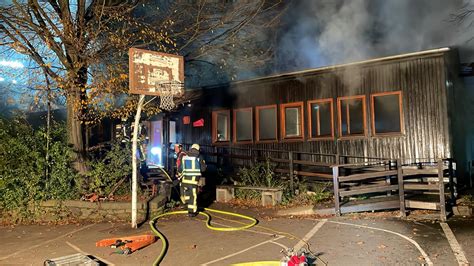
(189, 192)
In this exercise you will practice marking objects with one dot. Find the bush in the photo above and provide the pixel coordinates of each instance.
(105, 171)
(310, 194)
(23, 165)
(261, 174)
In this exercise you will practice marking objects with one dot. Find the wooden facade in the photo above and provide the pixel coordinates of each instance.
(428, 127)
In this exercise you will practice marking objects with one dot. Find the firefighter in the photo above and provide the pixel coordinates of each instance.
(192, 165)
(179, 153)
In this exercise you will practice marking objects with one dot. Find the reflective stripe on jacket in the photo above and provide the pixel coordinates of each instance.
(191, 166)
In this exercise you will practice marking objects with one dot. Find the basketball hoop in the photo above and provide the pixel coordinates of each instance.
(168, 90)
(157, 74)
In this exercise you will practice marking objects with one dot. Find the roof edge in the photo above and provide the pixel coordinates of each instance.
(333, 67)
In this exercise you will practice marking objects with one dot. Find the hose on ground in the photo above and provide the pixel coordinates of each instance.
(164, 241)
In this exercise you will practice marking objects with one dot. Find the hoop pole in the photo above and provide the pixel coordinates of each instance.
(134, 160)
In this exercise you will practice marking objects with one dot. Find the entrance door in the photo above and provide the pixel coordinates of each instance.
(156, 143)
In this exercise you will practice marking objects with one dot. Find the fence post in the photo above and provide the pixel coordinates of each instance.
(401, 188)
(335, 176)
(452, 188)
(388, 179)
(292, 185)
(442, 200)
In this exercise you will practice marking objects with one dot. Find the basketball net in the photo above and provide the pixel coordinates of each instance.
(168, 90)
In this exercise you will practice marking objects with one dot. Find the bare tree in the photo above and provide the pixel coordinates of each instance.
(82, 45)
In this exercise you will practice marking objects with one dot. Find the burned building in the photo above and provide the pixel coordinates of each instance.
(408, 106)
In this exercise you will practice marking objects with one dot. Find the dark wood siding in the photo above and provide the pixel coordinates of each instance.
(422, 82)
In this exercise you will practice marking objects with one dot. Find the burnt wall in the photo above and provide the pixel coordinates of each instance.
(422, 80)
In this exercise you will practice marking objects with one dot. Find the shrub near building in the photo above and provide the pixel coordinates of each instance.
(23, 165)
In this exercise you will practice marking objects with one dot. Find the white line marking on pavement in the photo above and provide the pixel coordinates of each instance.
(76, 248)
(242, 251)
(45, 242)
(457, 249)
(309, 235)
(279, 244)
(423, 253)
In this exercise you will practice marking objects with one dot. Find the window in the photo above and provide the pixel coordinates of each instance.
(266, 123)
(321, 119)
(292, 120)
(387, 115)
(351, 114)
(221, 126)
(243, 125)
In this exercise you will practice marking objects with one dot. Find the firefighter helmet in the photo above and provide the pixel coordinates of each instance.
(195, 146)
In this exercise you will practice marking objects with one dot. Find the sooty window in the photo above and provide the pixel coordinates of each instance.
(387, 115)
(321, 119)
(266, 123)
(352, 116)
(292, 120)
(221, 126)
(243, 125)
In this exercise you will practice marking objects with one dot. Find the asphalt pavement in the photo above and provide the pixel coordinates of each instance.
(347, 240)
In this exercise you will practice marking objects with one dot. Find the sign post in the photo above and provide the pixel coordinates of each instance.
(157, 74)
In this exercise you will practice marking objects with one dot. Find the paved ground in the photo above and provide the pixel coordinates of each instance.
(350, 240)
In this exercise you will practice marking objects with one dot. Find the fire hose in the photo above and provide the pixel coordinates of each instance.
(244, 226)
(164, 242)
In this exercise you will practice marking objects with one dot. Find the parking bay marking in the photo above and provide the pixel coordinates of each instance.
(457, 249)
(423, 253)
(242, 251)
(45, 242)
(309, 235)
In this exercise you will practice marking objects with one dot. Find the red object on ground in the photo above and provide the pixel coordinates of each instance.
(199, 123)
(295, 260)
(128, 244)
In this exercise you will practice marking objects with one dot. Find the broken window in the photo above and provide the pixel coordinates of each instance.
(221, 126)
(292, 120)
(387, 113)
(243, 129)
(352, 116)
(321, 118)
(266, 123)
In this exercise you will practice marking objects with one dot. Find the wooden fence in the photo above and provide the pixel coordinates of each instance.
(354, 176)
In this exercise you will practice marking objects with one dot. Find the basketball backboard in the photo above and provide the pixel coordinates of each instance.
(148, 70)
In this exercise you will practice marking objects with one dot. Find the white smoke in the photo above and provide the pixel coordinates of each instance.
(327, 32)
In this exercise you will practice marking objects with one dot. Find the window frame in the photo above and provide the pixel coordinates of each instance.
(234, 124)
(310, 121)
(257, 126)
(372, 113)
(283, 106)
(214, 126)
(339, 116)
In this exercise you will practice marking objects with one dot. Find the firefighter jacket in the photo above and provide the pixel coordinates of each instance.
(192, 165)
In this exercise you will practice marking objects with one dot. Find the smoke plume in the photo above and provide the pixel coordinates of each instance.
(327, 32)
